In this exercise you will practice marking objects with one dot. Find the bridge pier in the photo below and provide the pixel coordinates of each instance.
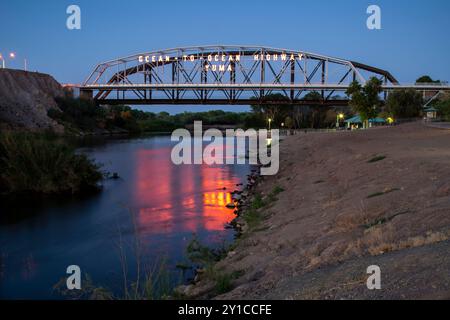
(86, 94)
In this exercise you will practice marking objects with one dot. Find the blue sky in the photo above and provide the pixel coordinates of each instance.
(413, 40)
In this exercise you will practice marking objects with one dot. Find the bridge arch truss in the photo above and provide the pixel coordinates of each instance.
(226, 75)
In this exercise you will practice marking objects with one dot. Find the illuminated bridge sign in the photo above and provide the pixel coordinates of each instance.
(229, 75)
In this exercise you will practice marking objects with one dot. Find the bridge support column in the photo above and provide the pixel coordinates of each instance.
(263, 76)
(323, 78)
(174, 78)
(204, 80)
(232, 79)
(292, 79)
(86, 94)
(150, 80)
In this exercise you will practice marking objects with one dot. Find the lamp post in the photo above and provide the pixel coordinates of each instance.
(339, 118)
(12, 55)
(3, 61)
(270, 122)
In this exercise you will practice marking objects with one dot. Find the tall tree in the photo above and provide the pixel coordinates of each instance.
(365, 100)
(426, 79)
(404, 103)
(315, 116)
(443, 106)
(277, 112)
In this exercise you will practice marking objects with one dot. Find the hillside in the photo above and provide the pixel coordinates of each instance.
(25, 98)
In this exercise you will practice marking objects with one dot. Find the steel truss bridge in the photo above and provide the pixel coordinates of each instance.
(236, 75)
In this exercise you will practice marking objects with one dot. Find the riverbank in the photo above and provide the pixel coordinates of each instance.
(345, 201)
(36, 164)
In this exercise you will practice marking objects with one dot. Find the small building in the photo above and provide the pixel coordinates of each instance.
(430, 113)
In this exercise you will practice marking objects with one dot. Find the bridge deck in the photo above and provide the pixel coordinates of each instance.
(230, 86)
(220, 102)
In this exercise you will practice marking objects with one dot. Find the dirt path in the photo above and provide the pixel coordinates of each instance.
(350, 199)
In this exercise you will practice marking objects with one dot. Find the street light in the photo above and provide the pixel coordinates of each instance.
(270, 122)
(3, 61)
(13, 55)
(339, 118)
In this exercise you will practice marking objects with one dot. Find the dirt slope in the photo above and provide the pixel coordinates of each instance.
(25, 98)
(351, 199)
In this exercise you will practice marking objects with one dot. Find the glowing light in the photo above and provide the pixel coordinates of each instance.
(341, 116)
(390, 120)
(12, 55)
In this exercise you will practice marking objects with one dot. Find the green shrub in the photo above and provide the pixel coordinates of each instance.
(223, 283)
(404, 103)
(252, 218)
(37, 164)
(203, 255)
(443, 107)
(258, 202)
(376, 159)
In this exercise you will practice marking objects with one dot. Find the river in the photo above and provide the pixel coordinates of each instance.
(160, 204)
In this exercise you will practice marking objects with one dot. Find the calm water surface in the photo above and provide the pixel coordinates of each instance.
(40, 239)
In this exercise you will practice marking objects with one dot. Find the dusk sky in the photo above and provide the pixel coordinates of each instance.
(413, 40)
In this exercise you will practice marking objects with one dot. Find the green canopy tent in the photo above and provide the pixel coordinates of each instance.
(358, 122)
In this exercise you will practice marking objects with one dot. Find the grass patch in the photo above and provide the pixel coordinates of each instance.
(262, 229)
(206, 258)
(203, 255)
(277, 190)
(376, 159)
(375, 223)
(154, 285)
(258, 202)
(374, 195)
(223, 281)
(383, 220)
(252, 218)
(429, 238)
(382, 193)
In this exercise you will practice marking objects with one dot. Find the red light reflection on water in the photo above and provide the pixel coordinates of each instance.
(173, 198)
